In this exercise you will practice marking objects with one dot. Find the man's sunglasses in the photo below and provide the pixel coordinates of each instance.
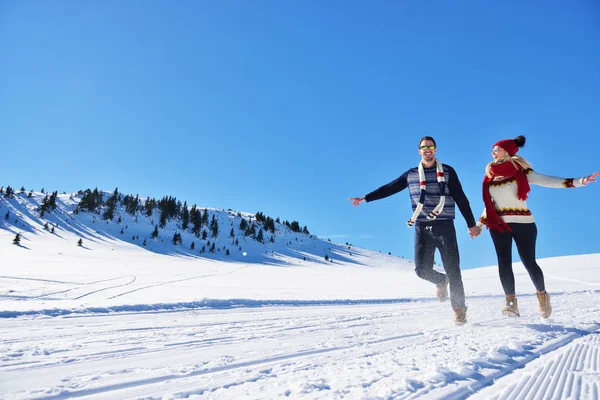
(430, 147)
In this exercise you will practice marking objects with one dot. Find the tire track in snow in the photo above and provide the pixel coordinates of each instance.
(161, 284)
(106, 288)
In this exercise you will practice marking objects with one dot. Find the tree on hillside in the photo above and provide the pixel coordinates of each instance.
(204, 234)
(243, 225)
(185, 217)
(205, 217)
(154, 234)
(295, 226)
(269, 224)
(164, 213)
(7, 215)
(260, 237)
(46, 227)
(196, 220)
(131, 204)
(30, 193)
(111, 205)
(90, 201)
(22, 189)
(9, 192)
(193, 246)
(52, 200)
(232, 233)
(149, 206)
(17, 239)
(52, 230)
(80, 242)
(177, 239)
(214, 227)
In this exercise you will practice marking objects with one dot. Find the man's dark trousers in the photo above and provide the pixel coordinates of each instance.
(441, 235)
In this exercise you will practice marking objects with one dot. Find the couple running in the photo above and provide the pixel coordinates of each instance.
(435, 189)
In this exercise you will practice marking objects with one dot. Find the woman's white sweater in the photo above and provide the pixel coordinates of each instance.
(503, 192)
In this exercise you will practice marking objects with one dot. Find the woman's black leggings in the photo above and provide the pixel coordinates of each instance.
(525, 236)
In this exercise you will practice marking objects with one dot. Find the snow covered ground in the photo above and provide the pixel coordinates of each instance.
(113, 320)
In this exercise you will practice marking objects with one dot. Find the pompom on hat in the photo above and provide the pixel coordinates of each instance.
(511, 145)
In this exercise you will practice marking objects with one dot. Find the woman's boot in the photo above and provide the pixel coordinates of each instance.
(545, 307)
(512, 308)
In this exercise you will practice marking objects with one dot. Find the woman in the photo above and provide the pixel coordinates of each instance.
(505, 189)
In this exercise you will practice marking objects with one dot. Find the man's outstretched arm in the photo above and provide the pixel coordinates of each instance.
(395, 186)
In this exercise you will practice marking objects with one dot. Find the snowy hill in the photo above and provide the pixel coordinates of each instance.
(72, 219)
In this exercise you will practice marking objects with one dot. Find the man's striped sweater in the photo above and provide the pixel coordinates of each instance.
(454, 193)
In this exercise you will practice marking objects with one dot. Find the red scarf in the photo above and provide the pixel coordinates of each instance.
(508, 170)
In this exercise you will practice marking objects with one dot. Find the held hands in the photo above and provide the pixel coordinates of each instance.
(474, 231)
(590, 178)
(356, 200)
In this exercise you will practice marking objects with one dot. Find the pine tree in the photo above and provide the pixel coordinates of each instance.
(17, 239)
(204, 234)
(185, 217)
(7, 215)
(80, 242)
(205, 217)
(144, 242)
(227, 252)
(46, 226)
(155, 232)
(177, 239)
(326, 257)
(30, 193)
(231, 233)
(111, 205)
(52, 230)
(192, 246)
(22, 189)
(214, 227)
(163, 218)
(260, 237)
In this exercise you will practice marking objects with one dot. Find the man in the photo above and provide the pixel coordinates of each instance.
(434, 190)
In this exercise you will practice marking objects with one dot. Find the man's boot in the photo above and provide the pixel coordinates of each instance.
(442, 290)
(461, 315)
(545, 307)
(512, 308)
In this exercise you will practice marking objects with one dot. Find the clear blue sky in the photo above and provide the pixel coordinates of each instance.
(291, 107)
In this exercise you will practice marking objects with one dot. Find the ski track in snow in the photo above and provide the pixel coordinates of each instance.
(577, 365)
(332, 351)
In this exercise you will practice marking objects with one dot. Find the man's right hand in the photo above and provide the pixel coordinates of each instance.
(356, 200)
(474, 231)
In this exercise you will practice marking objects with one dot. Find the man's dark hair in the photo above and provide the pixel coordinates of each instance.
(427, 138)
